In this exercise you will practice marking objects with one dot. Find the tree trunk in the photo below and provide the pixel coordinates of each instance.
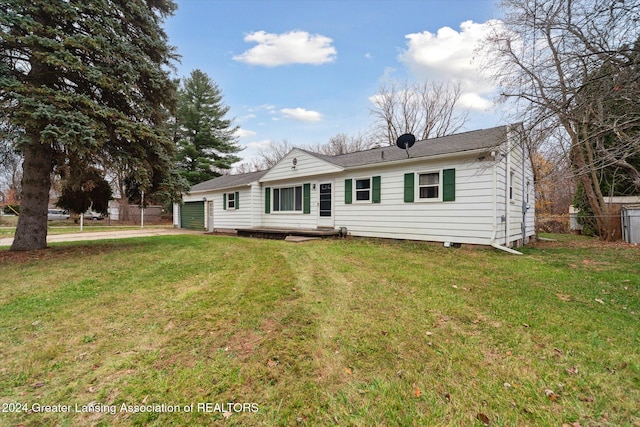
(31, 231)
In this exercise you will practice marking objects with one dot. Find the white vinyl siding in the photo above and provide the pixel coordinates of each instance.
(306, 165)
(467, 220)
(226, 216)
(290, 219)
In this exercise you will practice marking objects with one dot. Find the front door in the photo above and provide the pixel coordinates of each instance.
(325, 205)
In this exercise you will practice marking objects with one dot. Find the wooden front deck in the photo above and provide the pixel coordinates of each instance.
(282, 233)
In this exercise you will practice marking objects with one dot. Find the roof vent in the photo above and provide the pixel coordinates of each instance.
(406, 141)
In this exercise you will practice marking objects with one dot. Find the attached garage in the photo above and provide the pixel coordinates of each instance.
(192, 215)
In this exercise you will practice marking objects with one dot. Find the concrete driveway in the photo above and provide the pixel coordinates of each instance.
(102, 235)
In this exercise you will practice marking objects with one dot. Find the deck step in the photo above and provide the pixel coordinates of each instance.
(282, 233)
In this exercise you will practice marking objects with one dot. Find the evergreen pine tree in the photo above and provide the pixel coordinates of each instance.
(88, 80)
(205, 138)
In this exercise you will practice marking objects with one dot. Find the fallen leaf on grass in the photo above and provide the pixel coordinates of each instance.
(227, 414)
(416, 391)
(564, 297)
(599, 300)
(572, 371)
(272, 363)
(348, 371)
(483, 419)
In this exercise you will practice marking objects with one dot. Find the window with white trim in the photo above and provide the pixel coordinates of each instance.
(231, 200)
(363, 190)
(429, 185)
(287, 199)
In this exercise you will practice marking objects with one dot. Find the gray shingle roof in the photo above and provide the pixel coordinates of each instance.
(228, 181)
(458, 143)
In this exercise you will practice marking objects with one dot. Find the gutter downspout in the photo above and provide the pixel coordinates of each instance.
(494, 244)
(508, 185)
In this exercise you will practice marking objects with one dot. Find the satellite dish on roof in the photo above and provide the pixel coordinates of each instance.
(406, 141)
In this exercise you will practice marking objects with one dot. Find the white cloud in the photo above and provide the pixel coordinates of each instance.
(301, 114)
(452, 54)
(259, 144)
(474, 101)
(245, 133)
(246, 117)
(294, 47)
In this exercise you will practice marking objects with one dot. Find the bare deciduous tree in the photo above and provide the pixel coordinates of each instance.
(427, 110)
(274, 152)
(343, 144)
(572, 65)
(254, 165)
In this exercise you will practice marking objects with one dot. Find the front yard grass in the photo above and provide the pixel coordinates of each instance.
(332, 332)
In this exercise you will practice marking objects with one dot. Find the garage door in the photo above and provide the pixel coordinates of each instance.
(192, 215)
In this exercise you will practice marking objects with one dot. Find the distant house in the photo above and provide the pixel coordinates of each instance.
(469, 188)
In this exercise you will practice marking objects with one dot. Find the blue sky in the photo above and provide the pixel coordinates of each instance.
(305, 70)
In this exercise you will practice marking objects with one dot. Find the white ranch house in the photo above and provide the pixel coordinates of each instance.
(470, 188)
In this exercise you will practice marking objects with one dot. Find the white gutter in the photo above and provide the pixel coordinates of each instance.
(493, 243)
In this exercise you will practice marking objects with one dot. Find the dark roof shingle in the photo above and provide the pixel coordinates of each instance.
(458, 143)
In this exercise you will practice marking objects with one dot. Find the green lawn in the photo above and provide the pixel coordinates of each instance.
(333, 332)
